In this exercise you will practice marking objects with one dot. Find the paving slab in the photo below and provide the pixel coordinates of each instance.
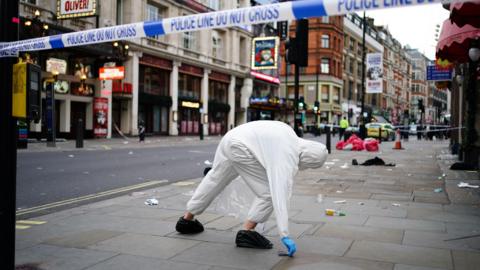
(466, 260)
(226, 237)
(60, 258)
(384, 211)
(472, 209)
(388, 252)
(442, 216)
(146, 212)
(405, 224)
(437, 240)
(413, 267)
(145, 245)
(361, 233)
(462, 228)
(230, 256)
(308, 261)
(307, 216)
(223, 223)
(411, 205)
(323, 245)
(392, 197)
(82, 239)
(129, 262)
(295, 230)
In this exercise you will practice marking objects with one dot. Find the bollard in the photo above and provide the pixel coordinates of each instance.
(380, 135)
(328, 142)
(79, 137)
(201, 131)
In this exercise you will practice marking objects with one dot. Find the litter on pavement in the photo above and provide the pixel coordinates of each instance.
(333, 212)
(71, 156)
(208, 162)
(374, 161)
(361, 203)
(396, 204)
(183, 183)
(151, 202)
(438, 190)
(354, 143)
(340, 202)
(320, 198)
(466, 185)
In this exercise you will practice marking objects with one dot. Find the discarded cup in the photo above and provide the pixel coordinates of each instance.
(333, 212)
(466, 185)
(152, 201)
(319, 198)
(438, 190)
(396, 204)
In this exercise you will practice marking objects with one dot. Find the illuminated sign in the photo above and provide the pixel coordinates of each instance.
(76, 8)
(112, 73)
(56, 66)
(264, 53)
(189, 104)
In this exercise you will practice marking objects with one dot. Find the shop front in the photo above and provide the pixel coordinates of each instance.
(265, 103)
(218, 107)
(154, 94)
(189, 90)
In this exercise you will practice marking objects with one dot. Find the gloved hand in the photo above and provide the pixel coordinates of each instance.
(288, 242)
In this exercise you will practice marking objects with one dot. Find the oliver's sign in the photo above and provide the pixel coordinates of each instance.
(76, 8)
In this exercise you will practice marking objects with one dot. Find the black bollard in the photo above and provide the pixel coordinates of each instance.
(79, 135)
(380, 134)
(327, 129)
(201, 131)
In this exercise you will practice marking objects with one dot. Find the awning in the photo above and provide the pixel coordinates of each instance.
(454, 41)
(462, 13)
(264, 77)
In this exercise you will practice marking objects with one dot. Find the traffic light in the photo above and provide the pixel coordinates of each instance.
(316, 106)
(297, 48)
(421, 107)
(301, 103)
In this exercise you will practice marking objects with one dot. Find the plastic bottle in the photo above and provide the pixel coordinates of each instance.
(333, 212)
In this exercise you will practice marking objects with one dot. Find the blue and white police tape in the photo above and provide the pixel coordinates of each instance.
(219, 19)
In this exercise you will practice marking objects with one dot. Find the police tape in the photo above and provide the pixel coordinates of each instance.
(219, 19)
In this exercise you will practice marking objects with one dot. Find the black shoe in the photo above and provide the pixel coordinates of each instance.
(188, 226)
(252, 239)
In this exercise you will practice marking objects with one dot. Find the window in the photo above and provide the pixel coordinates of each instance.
(359, 69)
(217, 45)
(154, 81)
(359, 91)
(217, 91)
(152, 13)
(243, 51)
(352, 65)
(216, 4)
(189, 86)
(189, 40)
(350, 90)
(325, 41)
(325, 19)
(352, 44)
(325, 66)
(33, 2)
(336, 94)
(325, 93)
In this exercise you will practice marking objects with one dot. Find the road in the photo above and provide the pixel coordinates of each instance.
(50, 177)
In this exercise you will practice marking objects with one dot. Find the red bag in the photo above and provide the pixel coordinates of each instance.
(340, 145)
(357, 145)
(371, 145)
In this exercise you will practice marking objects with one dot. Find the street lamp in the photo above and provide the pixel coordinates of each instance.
(474, 54)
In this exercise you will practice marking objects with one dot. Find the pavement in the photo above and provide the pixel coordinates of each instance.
(394, 220)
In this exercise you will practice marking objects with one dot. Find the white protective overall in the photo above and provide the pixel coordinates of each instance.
(267, 155)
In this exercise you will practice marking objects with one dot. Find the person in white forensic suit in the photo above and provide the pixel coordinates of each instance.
(267, 155)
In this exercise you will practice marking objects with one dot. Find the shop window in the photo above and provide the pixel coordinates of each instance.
(189, 86)
(325, 93)
(154, 81)
(217, 91)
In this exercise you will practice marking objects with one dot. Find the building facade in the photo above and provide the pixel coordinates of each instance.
(321, 80)
(352, 66)
(419, 87)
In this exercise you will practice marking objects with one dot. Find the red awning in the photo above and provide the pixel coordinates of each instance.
(265, 77)
(454, 41)
(462, 13)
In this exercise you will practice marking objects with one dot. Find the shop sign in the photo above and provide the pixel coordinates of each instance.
(56, 66)
(112, 73)
(189, 104)
(82, 89)
(106, 88)
(264, 53)
(100, 116)
(67, 9)
(374, 73)
(435, 73)
(265, 77)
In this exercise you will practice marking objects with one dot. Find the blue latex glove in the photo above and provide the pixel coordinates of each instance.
(288, 242)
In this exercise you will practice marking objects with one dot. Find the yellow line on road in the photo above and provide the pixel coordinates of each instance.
(31, 222)
(21, 227)
(84, 198)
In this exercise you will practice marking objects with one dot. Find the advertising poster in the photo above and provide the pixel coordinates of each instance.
(75, 8)
(264, 53)
(374, 73)
(100, 117)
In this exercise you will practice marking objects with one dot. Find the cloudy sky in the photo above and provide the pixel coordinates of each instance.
(414, 26)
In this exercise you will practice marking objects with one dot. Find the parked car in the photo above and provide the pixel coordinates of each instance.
(388, 131)
(413, 129)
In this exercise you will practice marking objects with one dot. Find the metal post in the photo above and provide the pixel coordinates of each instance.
(79, 135)
(329, 139)
(8, 144)
(362, 128)
(297, 90)
(317, 98)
